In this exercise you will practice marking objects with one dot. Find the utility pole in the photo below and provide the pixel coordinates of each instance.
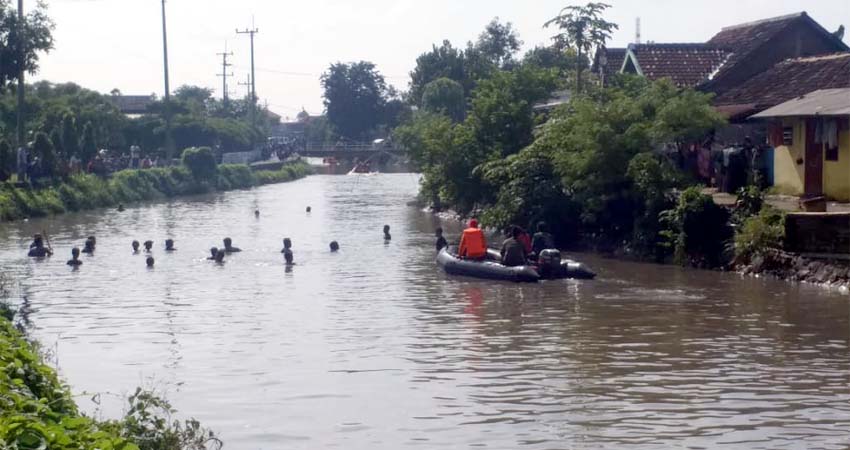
(251, 32)
(169, 141)
(22, 41)
(224, 74)
(246, 83)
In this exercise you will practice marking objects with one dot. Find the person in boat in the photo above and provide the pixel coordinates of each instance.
(334, 246)
(473, 244)
(149, 262)
(513, 252)
(387, 236)
(219, 256)
(37, 248)
(169, 245)
(148, 246)
(213, 254)
(542, 239)
(441, 241)
(88, 247)
(135, 245)
(228, 246)
(524, 238)
(75, 258)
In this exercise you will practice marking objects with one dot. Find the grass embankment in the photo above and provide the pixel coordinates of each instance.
(82, 192)
(37, 409)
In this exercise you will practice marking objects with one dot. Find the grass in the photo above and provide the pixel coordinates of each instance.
(83, 192)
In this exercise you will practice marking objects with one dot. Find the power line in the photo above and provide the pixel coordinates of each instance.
(224, 74)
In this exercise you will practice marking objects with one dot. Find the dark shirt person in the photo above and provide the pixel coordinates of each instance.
(148, 246)
(387, 236)
(229, 248)
(213, 254)
(37, 248)
(334, 246)
(542, 239)
(89, 246)
(135, 245)
(513, 252)
(75, 258)
(149, 262)
(441, 241)
(219, 257)
(169, 245)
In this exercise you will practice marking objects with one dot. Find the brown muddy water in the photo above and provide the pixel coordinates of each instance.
(376, 348)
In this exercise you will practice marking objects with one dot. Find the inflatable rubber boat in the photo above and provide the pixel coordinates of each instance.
(550, 267)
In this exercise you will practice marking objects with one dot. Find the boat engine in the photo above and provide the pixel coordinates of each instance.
(549, 262)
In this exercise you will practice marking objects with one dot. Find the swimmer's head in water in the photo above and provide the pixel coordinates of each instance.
(75, 252)
(228, 242)
(287, 243)
(169, 244)
(149, 261)
(148, 245)
(334, 246)
(309, 209)
(135, 245)
(213, 252)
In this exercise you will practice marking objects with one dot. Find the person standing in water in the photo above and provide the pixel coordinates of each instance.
(135, 245)
(387, 236)
(149, 262)
(169, 245)
(219, 257)
(441, 241)
(334, 246)
(88, 247)
(148, 246)
(37, 248)
(75, 258)
(213, 254)
(287, 251)
(228, 246)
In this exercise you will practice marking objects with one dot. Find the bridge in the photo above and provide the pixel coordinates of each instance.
(350, 151)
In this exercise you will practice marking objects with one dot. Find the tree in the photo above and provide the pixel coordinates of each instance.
(582, 28)
(70, 138)
(499, 42)
(56, 140)
(201, 163)
(88, 146)
(444, 96)
(194, 98)
(550, 57)
(441, 62)
(39, 38)
(355, 95)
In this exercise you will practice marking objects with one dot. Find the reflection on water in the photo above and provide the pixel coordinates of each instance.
(374, 348)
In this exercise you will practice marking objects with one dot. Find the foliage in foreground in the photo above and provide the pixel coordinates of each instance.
(83, 192)
(37, 411)
(759, 234)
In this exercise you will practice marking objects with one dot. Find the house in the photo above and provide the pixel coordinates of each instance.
(785, 81)
(811, 137)
(686, 65)
(132, 105)
(607, 62)
(733, 56)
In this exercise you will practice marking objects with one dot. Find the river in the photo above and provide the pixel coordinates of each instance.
(375, 348)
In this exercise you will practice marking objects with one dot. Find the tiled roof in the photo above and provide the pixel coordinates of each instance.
(745, 39)
(789, 79)
(614, 60)
(132, 104)
(687, 65)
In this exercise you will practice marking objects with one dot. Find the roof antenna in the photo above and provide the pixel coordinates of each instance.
(637, 31)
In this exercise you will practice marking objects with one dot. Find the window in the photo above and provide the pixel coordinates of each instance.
(788, 136)
(831, 154)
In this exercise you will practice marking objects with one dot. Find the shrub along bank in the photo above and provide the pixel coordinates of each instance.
(38, 412)
(85, 191)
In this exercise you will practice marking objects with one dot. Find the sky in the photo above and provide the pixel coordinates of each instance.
(109, 44)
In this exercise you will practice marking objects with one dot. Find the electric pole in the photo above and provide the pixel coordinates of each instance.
(251, 32)
(169, 142)
(246, 83)
(22, 41)
(224, 74)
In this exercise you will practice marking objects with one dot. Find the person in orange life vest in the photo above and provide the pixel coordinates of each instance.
(472, 245)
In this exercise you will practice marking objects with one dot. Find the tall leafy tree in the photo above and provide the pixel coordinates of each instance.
(7, 160)
(88, 145)
(445, 96)
(355, 96)
(56, 140)
(582, 29)
(43, 149)
(70, 138)
(499, 42)
(37, 39)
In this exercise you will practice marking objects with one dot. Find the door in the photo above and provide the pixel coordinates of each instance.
(814, 162)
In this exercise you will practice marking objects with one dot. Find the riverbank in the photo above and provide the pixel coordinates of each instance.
(796, 268)
(86, 191)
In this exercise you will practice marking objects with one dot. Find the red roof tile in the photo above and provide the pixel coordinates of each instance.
(687, 65)
(789, 79)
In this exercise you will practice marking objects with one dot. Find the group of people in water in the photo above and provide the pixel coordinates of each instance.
(40, 248)
(517, 249)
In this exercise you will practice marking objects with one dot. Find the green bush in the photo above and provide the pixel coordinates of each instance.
(201, 163)
(697, 229)
(760, 233)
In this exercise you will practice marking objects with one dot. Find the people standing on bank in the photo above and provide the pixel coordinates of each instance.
(473, 244)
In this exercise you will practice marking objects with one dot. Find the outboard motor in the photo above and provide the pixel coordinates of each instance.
(549, 262)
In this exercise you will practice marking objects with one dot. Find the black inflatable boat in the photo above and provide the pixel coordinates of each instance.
(492, 269)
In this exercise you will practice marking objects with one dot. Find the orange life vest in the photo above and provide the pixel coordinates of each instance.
(472, 244)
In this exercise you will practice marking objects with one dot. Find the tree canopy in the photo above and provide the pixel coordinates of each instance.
(38, 38)
(582, 29)
(355, 96)
(445, 96)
